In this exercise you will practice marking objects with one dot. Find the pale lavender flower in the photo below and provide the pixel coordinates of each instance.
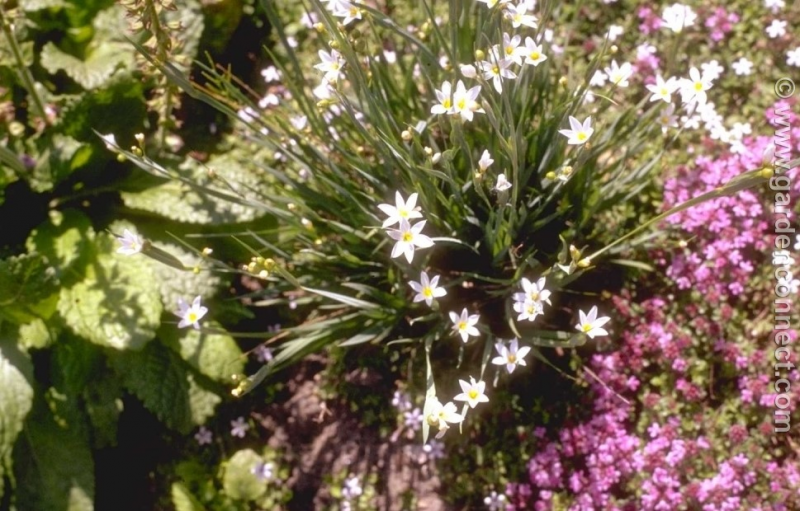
(239, 427)
(203, 436)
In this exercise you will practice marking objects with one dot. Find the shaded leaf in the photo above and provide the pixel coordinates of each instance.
(239, 482)
(117, 304)
(100, 63)
(56, 465)
(28, 287)
(163, 382)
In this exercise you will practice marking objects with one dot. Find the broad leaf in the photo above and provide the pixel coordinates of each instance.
(100, 63)
(56, 465)
(164, 383)
(216, 355)
(117, 304)
(66, 240)
(179, 201)
(16, 397)
(28, 288)
(239, 482)
(183, 500)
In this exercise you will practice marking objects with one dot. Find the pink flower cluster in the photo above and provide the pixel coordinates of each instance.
(720, 22)
(680, 410)
(727, 235)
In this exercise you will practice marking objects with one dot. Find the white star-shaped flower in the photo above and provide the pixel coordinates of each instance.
(579, 133)
(130, 243)
(590, 324)
(401, 210)
(472, 392)
(464, 325)
(408, 238)
(503, 184)
(445, 98)
(533, 53)
(510, 356)
(427, 289)
(663, 90)
(190, 314)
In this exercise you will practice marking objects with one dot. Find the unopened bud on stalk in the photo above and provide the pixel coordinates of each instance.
(428, 151)
(550, 175)
(614, 49)
(584, 263)
(574, 253)
(562, 81)
(436, 158)
(479, 55)
(319, 27)
(406, 135)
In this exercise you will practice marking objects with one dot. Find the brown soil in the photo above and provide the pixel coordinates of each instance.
(323, 438)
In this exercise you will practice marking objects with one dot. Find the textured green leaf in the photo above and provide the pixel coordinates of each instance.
(117, 304)
(55, 161)
(55, 466)
(164, 383)
(174, 283)
(215, 355)
(239, 482)
(16, 396)
(181, 202)
(103, 407)
(36, 335)
(28, 287)
(202, 401)
(183, 500)
(100, 63)
(66, 240)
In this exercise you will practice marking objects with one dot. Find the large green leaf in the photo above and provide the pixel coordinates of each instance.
(179, 201)
(54, 466)
(16, 397)
(28, 288)
(216, 355)
(164, 383)
(100, 63)
(59, 155)
(117, 304)
(66, 240)
(183, 500)
(174, 283)
(239, 482)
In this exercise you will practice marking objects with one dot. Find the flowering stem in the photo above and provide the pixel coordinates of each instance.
(24, 72)
(741, 182)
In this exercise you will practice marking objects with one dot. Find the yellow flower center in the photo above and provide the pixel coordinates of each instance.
(192, 317)
(427, 293)
(535, 55)
(698, 86)
(462, 104)
(509, 50)
(512, 358)
(402, 212)
(462, 326)
(534, 295)
(407, 237)
(473, 394)
(586, 327)
(664, 91)
(446, 103)
(353, 11)
(496, 70)
(582, 136)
